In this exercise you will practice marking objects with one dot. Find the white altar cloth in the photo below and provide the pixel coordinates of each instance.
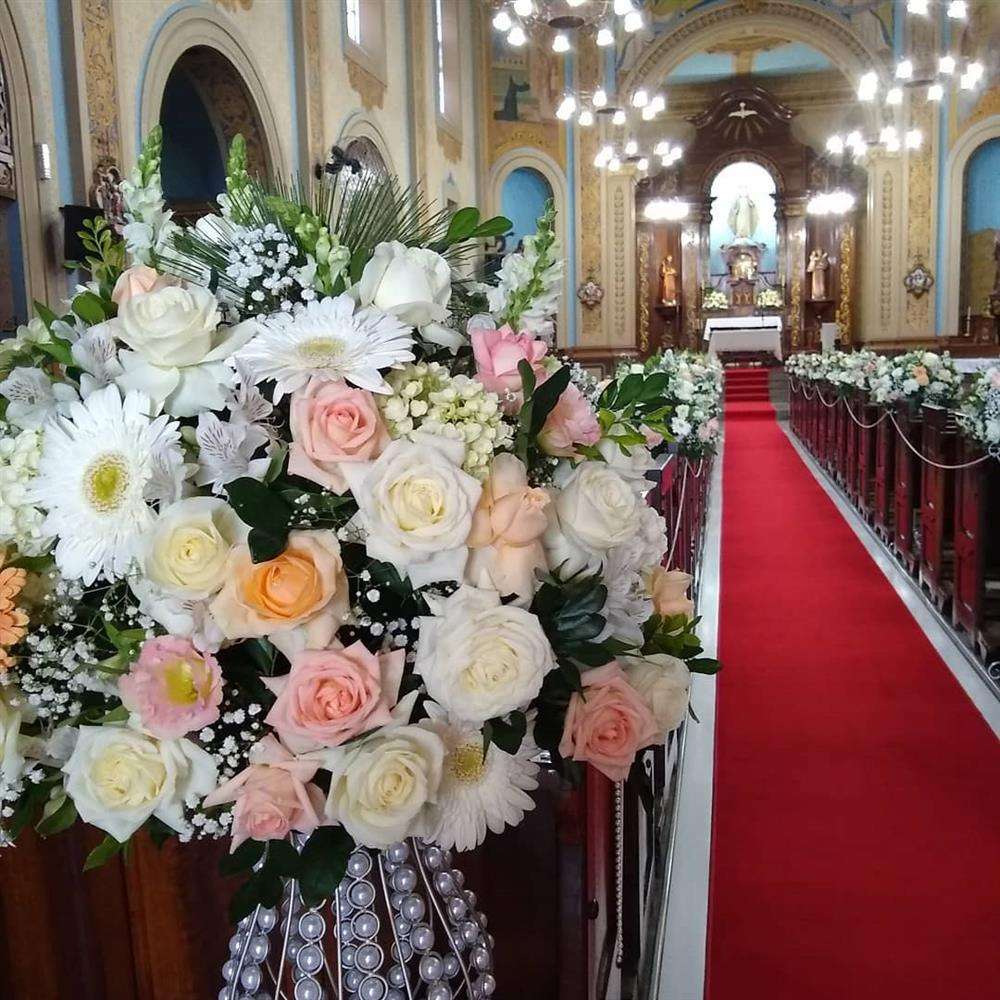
(744, 333)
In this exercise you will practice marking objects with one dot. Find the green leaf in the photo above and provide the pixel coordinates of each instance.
(265, 545)
(462, 225)
(59, 814)
(116, 715)
(497, 226)
(506, 735)
(258, 506)
(58, 349)
(259, 890)
(243, 858)
(704, 665)
(323, 863)
(89, 308)
(282, 859)
(103, 853)
(45, 314)
(545, 397)
(33, 564)
(159, 832)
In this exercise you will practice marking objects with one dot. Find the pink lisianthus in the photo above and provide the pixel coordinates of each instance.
(609, 724)
(498, 353)
(333, 423)
(571, 422)
(138, 280)
(332, 695)
(272, 797)
(172, 687)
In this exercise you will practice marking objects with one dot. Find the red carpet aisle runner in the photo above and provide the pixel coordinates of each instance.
(856, 844)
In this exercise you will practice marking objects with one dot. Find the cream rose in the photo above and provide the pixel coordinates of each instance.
(663, 683)
(479, 658)
(118, 778)
(416, 504)
(190, 545)
(379, 787)
(178, 350)
(595, 511)
(412, 283)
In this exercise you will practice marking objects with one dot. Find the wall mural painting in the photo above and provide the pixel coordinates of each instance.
(981, 230)
(526, 83)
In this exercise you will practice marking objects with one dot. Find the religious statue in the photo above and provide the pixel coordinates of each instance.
(106, 195)
(744, 268)
(668, 281)
(819, 262)
(743, 215)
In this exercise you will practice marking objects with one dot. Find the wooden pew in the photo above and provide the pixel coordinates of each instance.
(907, 484)
(885, 478)
(937, 507)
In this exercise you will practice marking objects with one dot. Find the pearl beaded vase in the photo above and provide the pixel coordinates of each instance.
(402, 926)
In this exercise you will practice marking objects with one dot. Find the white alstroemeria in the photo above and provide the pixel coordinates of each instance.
(96, 355)
(226, 450)
(246, 403)
(182, 616)
(34, 397)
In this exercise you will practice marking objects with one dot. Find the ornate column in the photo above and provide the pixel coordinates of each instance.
(882, 275)
(695, 267)
(619, 260)
(793, 267)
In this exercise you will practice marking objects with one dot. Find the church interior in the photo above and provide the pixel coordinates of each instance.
(761, 241)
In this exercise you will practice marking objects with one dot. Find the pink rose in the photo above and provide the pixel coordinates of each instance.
(172, 687)
(668, 589)
(653, 438)
(505, 541)
(571, 422)
(333, 423)
(498, 353)
(139, 280)
(332, 695)
(708, 430)
(608, 726)
(273, 795)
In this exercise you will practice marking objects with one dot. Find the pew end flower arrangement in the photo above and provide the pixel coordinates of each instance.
(309, 544)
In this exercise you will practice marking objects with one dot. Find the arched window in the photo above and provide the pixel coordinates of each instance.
(522, 199)
(13, 300)
(447, 64)
(364, 34)
(980, 228)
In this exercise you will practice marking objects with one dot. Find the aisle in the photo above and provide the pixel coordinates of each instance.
(856, 842)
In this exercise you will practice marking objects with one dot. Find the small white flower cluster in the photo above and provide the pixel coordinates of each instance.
(979, 415)
(20, 520)
(714, 300)
(426, 397)
(264, 264)
(919, 377)
(769, 298)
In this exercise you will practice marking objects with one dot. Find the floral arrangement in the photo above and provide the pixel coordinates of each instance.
(769, 298)
(309, 539)
(713, 299)
(691, 392)
(979, 412)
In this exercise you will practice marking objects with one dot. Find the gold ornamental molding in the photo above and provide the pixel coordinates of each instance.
(100, 72)
(642, 249)
(919, 215)
(885, 261)
(366, 85)
(450, 146)
(843, 316)
(314, 80)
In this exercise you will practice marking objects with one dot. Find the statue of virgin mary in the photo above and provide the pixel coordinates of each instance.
(743, 216)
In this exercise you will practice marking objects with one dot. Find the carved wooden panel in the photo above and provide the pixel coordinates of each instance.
(8, 187)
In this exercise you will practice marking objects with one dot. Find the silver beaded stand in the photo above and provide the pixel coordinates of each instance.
(402, 926)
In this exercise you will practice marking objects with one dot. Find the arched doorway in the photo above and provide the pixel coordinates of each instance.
(980, 229)
(205, 104)
(522, 200)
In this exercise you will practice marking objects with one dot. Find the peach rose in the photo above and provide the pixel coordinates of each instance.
(920, 375)
(273, 795)
(332, 695)
(571, 422)
(505, 541)
(609, 725)
(498, 353)
(668, 589)
(298, 599)
(139, 280)
(332, 423)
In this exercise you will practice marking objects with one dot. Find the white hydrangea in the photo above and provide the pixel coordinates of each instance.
(427, 397)
(20, 521)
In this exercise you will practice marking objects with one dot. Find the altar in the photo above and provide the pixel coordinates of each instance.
(743, 333)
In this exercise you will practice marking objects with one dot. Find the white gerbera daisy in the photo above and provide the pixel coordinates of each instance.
(330, 340)
(477, 793)
(100, 467)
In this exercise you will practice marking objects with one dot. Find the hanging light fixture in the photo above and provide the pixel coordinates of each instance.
(561, 42)
(914, 138)
(566, 108)
(502, 21)
(633, 21)
(586, 118)
(643, 164)
(868, 86)
(662, 148)
(623, 7)
(958, 10)
(946, 65)
(600, 98)
(894, 96)
(619, 117)
(640, 98)
(614, 164)
(631, 147)
(917, 7)
(516, 36)
(935, 92)
(904, 69)
(524, 8)
(835, 145)
(605, 36)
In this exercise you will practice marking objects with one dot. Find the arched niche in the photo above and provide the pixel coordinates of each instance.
(362, 139)
(522, 199)
(962, 155)
(218, 65)
(22, 256)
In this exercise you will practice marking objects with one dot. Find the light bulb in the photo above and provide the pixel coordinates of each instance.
(917, 7)
(868, 86)
(658, 103)
(958, 10)
(640, 98)
(622, 7)
(600, 98)
(618, 118)
(566, 108)
(676, 153)
(560, 43)
(633, 21)
(888, 134)
(575, 3)
(643, 164)
(904, 69)
(666, 161)
(835, 145)
(524, 8)
(631, 147)
(853, 139)
(892, 144)
(894, 96)
(605, 36)
(516, 36)
(966, 82)
(662, 148)
(607, 151)
(914, 138)
(586, 118)
(502, 21)
(935, 92)
(975, 70)
(946, 65)
(614, 164)
(648, 113)
(861, 150)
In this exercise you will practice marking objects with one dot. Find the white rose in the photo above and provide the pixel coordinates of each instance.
(191, 540)
(595, 511)
(178, 350)
(664, 684)
(379, 787)
(416, 505)
(412, 283)
(632, 466)
(479, 658)
(118, 778)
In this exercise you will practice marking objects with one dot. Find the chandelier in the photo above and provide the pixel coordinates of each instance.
(565, 21)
